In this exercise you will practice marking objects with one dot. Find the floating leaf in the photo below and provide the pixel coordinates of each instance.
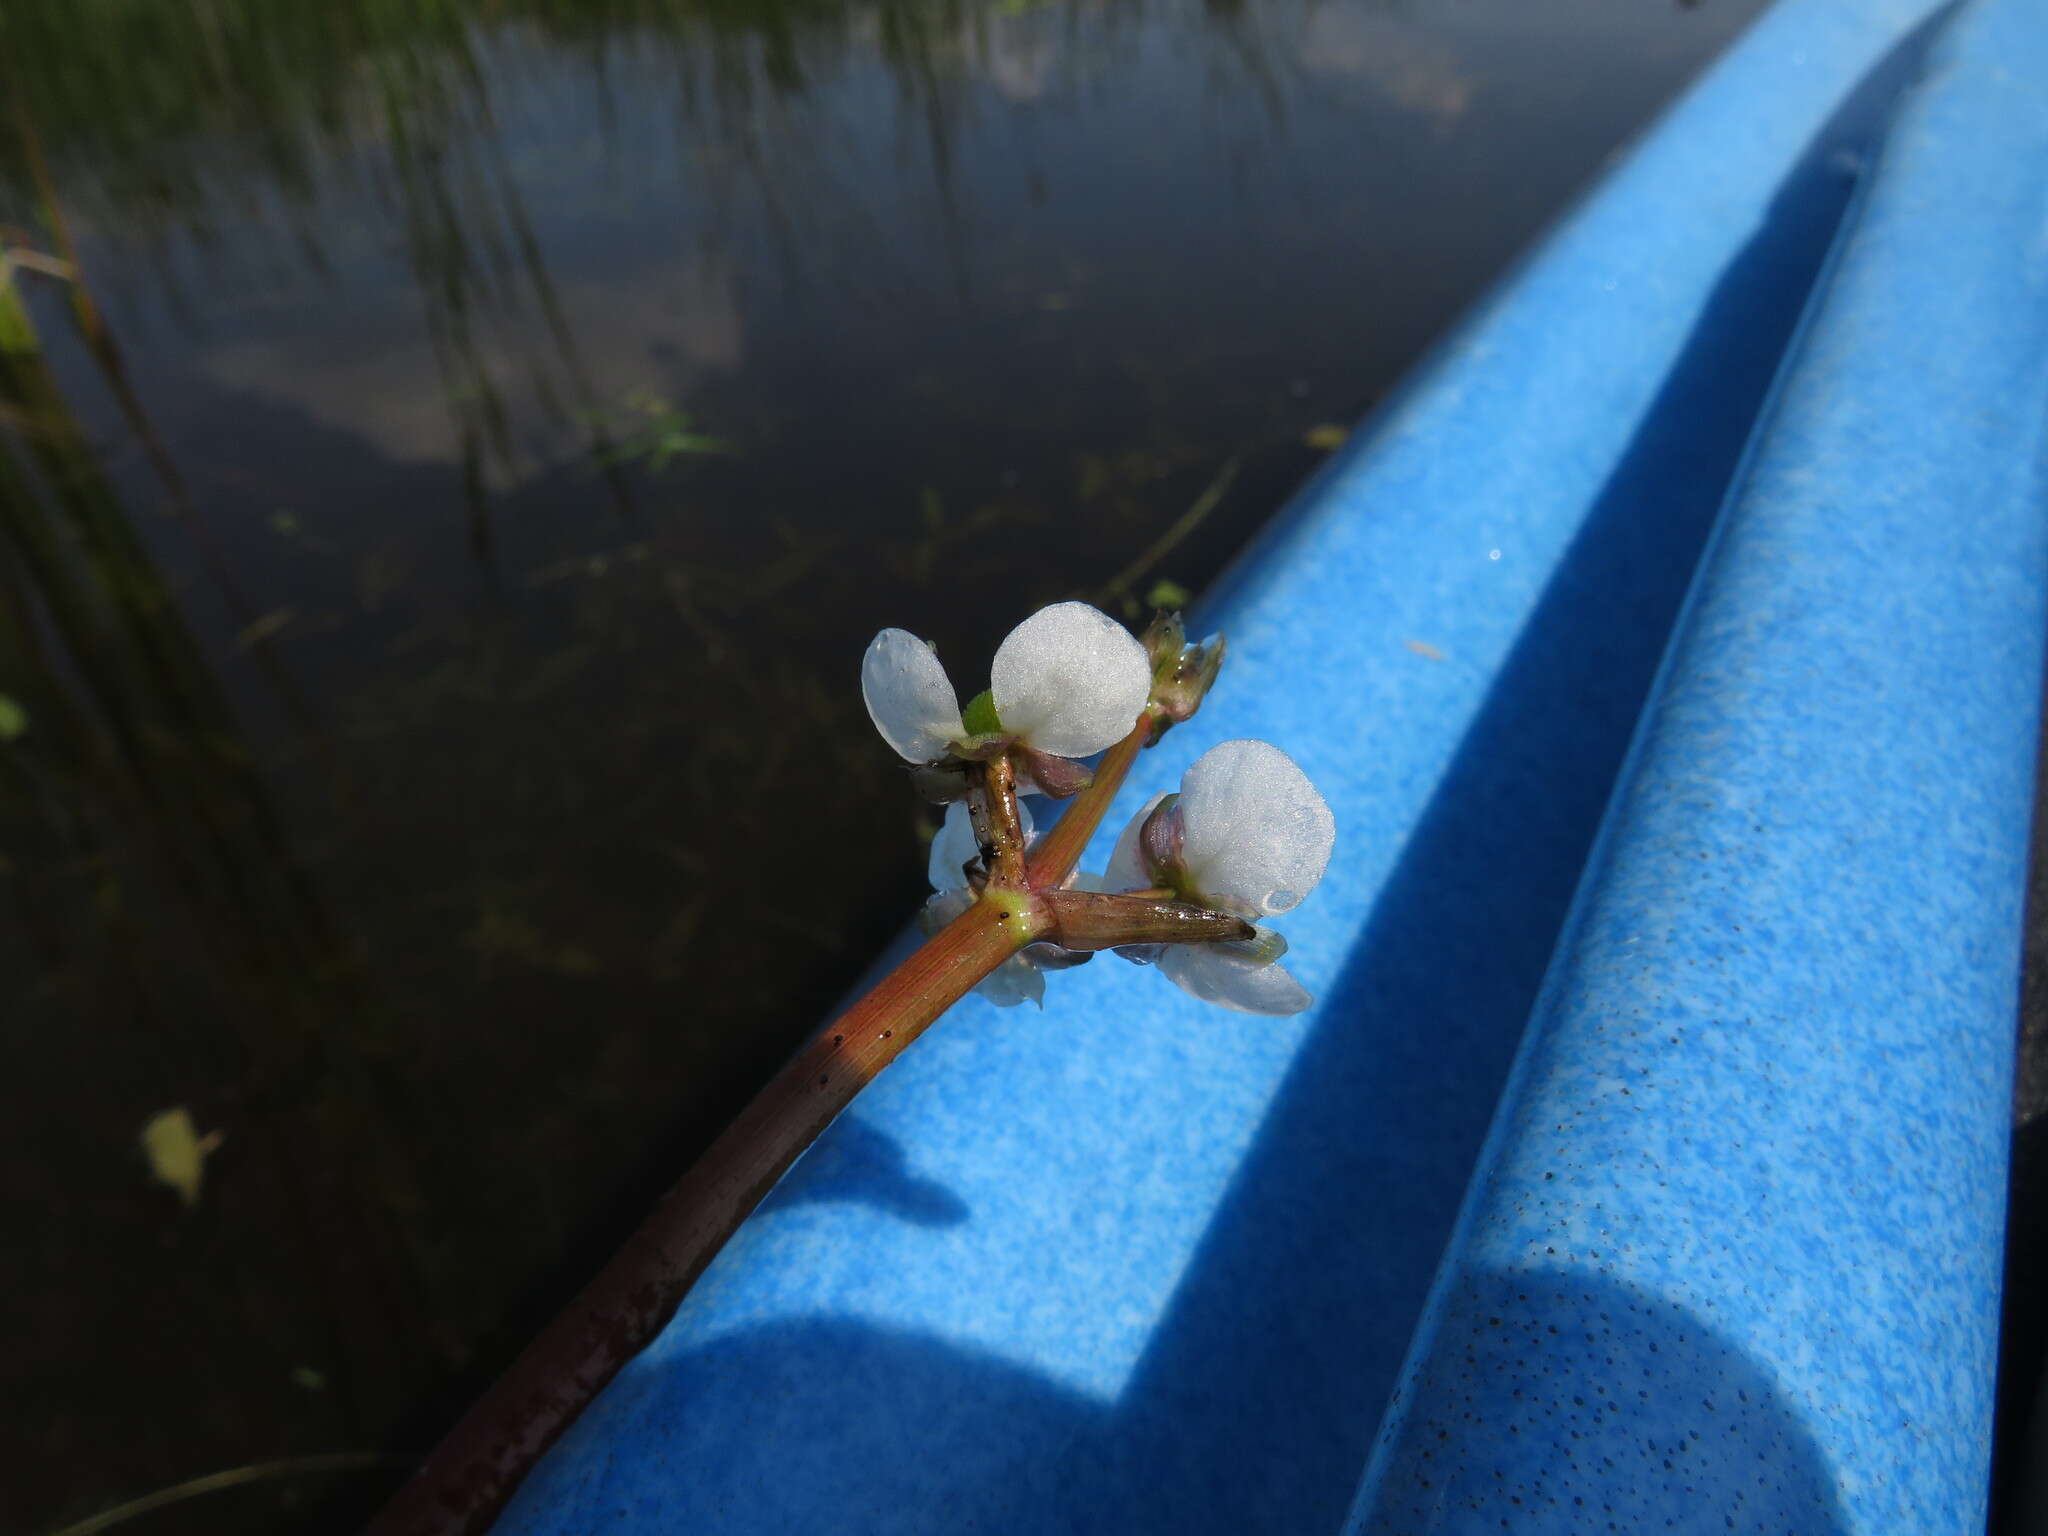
(1326, 438)
(176, 1151)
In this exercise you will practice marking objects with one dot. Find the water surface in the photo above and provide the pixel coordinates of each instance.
(440, 531)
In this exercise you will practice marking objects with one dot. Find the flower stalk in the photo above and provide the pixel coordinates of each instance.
(993, 803)
(471, 1474)
(1018, 896)
(1060, 849)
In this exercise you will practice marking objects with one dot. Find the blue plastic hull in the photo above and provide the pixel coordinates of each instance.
(1730, 1251)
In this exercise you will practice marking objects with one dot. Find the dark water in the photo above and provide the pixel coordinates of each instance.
(439, 536)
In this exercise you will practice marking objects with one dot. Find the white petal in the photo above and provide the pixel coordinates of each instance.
(1257, 835)
(1070, 680)
(955, 845)
(941, 909)
(1126, 870)
(1215, 975)
(1013, 982)
(952, 848)
(909, 697)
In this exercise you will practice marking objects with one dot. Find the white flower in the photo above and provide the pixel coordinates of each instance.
(1069, 680)
(1247, 834)
(953, 848)
(955, 845)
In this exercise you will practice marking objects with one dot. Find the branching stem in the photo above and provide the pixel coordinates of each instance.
(1001, 825)
(474, 1471)
(466, 1481)
(1060, 849)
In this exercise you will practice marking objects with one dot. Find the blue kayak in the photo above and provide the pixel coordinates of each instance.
(1669, 651)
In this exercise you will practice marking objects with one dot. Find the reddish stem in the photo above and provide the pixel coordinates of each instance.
(1060, 849)
(997, 796)
(463, 1485)
(475, 1469)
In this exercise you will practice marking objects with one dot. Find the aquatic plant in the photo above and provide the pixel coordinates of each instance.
(1246, 837)
(651, 431)
(1247, 834)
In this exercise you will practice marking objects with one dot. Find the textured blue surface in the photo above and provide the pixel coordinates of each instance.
(1137, 1265)
(1733, 1255)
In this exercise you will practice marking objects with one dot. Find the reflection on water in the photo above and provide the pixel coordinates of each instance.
(452, 453)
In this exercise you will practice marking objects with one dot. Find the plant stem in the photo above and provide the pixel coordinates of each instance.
(475, 1469)
(996, 802)
(31, 144)
(1060, 849)
(1119, 587)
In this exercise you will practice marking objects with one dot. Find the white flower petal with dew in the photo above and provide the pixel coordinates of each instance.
(1215, 973)
(955, 845)
(1257, 836)
(1070, 680)
(909, 696)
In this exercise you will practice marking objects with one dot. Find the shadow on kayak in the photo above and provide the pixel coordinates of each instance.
(1255, 1404)
(840, 1426)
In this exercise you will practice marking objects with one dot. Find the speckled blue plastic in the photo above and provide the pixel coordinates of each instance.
(1732, 1261)
(1138, 1265)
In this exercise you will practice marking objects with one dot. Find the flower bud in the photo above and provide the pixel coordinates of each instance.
(1163, 639)
(1181, 681)
(1059, 777)
(1160, 842)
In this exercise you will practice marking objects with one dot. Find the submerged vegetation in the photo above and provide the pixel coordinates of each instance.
(221, 731)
